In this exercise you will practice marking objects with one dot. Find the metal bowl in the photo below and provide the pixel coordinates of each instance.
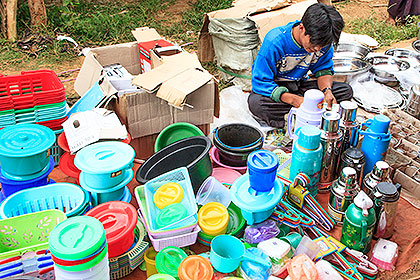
(416, 45)
(350, 66)
(351, 49)
(383, 66)
(411, 56)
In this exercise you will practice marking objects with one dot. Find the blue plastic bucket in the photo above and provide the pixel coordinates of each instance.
(262, 168)
(9, 187)
(226, 253)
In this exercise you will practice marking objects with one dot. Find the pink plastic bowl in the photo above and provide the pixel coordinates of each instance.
(214, 154)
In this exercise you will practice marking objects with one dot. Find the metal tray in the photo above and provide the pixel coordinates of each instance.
(384, 66)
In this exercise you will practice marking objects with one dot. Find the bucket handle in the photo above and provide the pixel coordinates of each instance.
(230, 147)
(290, 118)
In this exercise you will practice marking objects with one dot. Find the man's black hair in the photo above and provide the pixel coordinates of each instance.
(323, 24)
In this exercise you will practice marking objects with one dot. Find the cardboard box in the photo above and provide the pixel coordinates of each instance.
(266, 14)
(158, 54)
(147, 113)
(148, 39)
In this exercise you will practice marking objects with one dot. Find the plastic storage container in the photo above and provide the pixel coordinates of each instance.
(69, 198)
(213, 191)
(168, 194)
(24, 151)
(9, 187)
(168, 260)
(149, 258)
(119, 220)
(262, 169)
(195, 268)
(104, 165)
(255, 207)
(213, 218)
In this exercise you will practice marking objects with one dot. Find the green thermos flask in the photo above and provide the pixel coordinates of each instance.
(359, 223)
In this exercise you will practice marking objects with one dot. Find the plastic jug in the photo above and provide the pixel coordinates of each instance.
(309, 113)
(375, 141)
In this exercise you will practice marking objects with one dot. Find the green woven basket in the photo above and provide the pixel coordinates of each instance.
(28, 232)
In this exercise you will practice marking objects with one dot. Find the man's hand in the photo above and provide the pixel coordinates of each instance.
(329, 99)
(292, 99)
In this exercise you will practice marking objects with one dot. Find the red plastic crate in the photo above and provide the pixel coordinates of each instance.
(54, 124)
(31, 88)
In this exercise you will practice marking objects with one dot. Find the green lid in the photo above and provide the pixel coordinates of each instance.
(76, 238)
(309, 137)
(168, 260)
(171, 214)
(161, 277)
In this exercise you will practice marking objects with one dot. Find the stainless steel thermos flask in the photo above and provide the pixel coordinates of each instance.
(386, 201)
(348, 124)
(343, 192)
(331, 139)
(354, 157)
(379, 174)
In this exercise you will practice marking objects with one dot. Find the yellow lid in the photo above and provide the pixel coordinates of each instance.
(167, 194)
(213, 218)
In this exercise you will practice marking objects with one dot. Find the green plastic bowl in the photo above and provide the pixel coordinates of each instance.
(175, 132)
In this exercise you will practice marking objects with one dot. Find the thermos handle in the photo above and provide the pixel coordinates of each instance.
(374, 134)
(364, 232)
(292, 113)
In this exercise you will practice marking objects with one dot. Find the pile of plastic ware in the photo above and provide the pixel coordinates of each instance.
(33, 97)
(168, 209)
(106, 170)
(24, 157)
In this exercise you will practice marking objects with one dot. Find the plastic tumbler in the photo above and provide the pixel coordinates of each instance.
(213, 191)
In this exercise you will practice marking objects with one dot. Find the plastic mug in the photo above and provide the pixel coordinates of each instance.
(213, 191)
(227, 252)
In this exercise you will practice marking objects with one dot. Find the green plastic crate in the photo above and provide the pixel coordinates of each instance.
(28, 232)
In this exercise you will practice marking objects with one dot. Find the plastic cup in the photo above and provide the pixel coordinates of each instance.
(149, 258)
(226, 253)
(213, 191)
(293, 238)
(307, 247)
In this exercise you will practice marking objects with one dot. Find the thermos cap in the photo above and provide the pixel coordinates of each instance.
(354, 155)
(311, 100)
(387, 191)
(348, 176)
(348, 111)
(330, 121)
(309, 137)
(381, 169)
(363, 201)
(380, 124)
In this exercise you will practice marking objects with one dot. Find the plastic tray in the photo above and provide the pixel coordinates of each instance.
(180, 176)
(142, 211)
(27, 232)
(69, 198)
(125, 264)
(177, 241)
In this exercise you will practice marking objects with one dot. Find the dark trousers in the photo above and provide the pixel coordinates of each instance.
(272, 113)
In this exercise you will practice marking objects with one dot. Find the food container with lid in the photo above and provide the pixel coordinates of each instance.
(262, 169)
(9, 187)
(195, 268)
(236, 225)
(105, 164)
(119, 220)
(169, 259)
(213, 218)
(213, 191)
(24, 151)
(168, 194)
(178, 229)
(279, 252)
(181, 177)
(255, 206)
(99, 196)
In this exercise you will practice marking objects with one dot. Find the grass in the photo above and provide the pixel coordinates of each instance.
(385, 33)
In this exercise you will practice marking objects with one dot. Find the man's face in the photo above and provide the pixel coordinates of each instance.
(305, 42)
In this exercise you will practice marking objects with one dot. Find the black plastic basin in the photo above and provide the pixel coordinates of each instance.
(191, 152)
(238, 138)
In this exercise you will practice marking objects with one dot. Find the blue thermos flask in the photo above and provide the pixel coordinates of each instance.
(376, 140)
(307, 156)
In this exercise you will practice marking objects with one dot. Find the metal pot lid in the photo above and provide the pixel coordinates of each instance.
(117, 217)
(248, 199)
(354, 155)
(104, 157)
(24, 140)
(388, 191)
